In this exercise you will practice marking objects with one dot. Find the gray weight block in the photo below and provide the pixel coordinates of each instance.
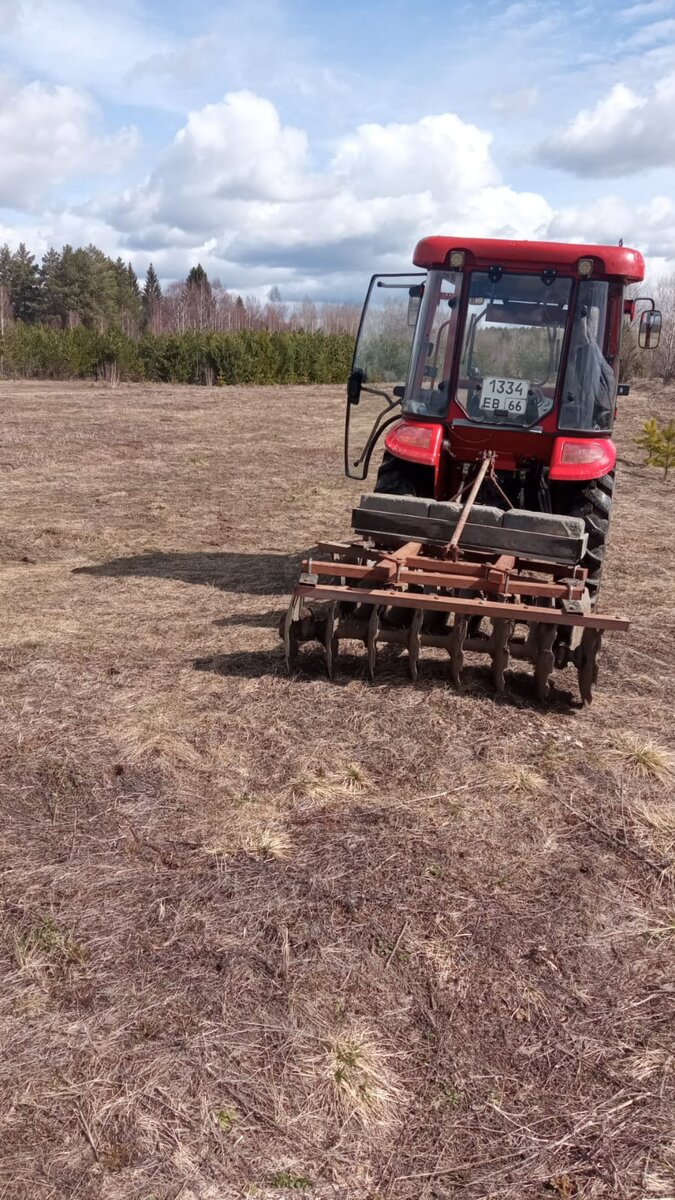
(480, 514)
(552, 523)
(410, 506)
(445, 510)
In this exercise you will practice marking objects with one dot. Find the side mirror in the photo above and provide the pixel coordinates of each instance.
(354, 385)
(415, 294)
(649, 334)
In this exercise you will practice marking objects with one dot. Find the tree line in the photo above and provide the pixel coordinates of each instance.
(209, 357)
(77, 311)
(83, 286)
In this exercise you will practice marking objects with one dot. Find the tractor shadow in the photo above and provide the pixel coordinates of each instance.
(275, 574)
(255, 574)
(264, 620)
(392, 673)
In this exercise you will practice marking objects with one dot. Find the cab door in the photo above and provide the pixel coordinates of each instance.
(380, 367)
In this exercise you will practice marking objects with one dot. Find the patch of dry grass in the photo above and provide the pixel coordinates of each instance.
(316, 785)
(263, 936)
(644, 758)
(362, 1079)
(518, 778)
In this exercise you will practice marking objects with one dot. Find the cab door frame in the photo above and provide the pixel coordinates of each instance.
(357, 468)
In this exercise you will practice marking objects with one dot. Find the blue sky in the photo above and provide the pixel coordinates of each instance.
(307, 144)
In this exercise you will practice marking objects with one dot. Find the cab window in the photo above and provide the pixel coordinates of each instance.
(589, 388)
(426, 392)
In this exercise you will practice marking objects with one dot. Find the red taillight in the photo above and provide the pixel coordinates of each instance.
(415, 435)
(581, 458)
(582, 452)
(415, 442)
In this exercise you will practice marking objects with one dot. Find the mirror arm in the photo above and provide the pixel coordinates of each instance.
(391, 403)
(641, 300)
(367, 452)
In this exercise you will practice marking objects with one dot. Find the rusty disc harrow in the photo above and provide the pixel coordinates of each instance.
(510, 610)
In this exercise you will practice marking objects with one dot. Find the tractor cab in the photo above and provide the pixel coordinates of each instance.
(500, 345)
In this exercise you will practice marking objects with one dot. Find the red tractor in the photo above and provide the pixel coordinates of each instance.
(493, 374)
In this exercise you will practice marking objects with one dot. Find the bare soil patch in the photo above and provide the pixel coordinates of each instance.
(262, 936)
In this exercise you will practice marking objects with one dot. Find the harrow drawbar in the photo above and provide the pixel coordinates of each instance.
(430, 593)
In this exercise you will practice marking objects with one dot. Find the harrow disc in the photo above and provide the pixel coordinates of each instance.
(291, 639)
(456, 648)
(587, 665)
(330, 639)
(545, 636)
(371, 642)
(501, 634)
(506, 646)
(415, 643)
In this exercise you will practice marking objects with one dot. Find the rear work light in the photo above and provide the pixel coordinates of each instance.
(415, 442)
(456, 259)
(585, 267)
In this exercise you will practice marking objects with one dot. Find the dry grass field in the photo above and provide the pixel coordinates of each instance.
(263, 937)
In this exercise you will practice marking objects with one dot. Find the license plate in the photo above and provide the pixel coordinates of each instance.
(504, 395)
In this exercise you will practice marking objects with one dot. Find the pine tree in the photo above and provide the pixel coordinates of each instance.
(152, 301)
(24, 285)
(132, 303)
(126, 301)
(72, 289)
(49, 275)
(198, 297)
(5, 264)
(132, 281)
(239, 320)
(659, 444)
(103, 301)
(275, 310)
(6, 311)
(197, 278)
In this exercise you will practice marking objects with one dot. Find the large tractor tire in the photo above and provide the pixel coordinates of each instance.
(399, 478)
(592, 501)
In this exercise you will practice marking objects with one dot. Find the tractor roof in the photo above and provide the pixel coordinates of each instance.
(617, 261)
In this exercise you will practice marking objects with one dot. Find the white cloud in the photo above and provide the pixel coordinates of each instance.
(531, 20)
(133, 51)
(236, 179)
(185, 64)
(46, 136)
(650, 8)
(435, 154)
(651, 35)
(626, 132)
(515, 103)
(237, 149)
(241, 191)
(8, 13)
(649, 226)
(82, 43)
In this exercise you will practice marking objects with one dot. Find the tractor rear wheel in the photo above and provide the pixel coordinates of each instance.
(592, 501)
(399, 478)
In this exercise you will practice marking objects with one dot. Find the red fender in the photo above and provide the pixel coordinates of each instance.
(582, 458)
